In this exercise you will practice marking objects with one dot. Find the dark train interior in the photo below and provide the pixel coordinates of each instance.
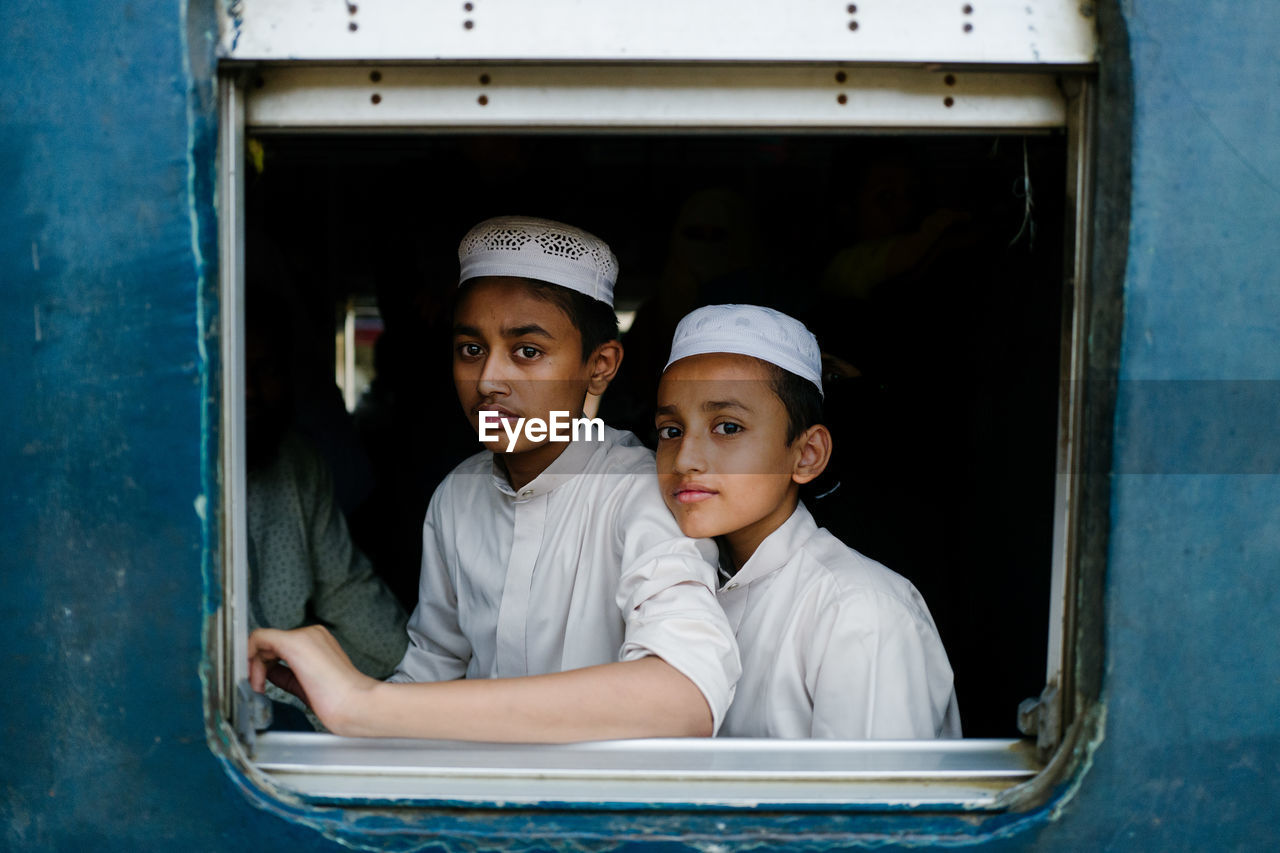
(931, 267)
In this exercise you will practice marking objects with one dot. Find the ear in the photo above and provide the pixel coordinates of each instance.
(815, 452)
(604, 364)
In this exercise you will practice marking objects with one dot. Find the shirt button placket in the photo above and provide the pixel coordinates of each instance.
(512, 657)
(733, 600)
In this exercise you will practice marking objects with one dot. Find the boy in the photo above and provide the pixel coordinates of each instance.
(833, 644)
(555, 560)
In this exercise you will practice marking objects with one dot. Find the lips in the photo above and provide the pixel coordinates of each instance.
(503, 414)
(692, 493)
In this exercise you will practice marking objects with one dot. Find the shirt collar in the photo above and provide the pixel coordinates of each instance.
(777, 548)
(569, 464)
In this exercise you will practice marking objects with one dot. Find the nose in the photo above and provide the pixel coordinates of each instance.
(492, 381)
(690, 456)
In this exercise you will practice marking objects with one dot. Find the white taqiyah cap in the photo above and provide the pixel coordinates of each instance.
(550, 251)
(749, 330)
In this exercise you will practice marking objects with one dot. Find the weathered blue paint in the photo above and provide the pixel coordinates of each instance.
(1193, 734)
(108, 370)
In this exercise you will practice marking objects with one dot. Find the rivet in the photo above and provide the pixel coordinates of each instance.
(353, 26)
(853, 25)
(968, 9)
(853, 10)
(466, 25)
(841, 76)
(842, 98)
(948, 101)
(467, 7)
(482, 100)
(950, 79)
(484, 79)
(352, 8)
(968, 28)
(258, 82)
(375, 76)
(376, 98)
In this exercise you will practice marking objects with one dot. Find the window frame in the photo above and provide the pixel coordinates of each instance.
(609, 774)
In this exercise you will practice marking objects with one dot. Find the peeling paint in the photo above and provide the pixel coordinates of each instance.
(1097, 726)
(235, 14)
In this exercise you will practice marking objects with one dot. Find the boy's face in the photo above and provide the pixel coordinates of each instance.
(517, 355)
(724, 465)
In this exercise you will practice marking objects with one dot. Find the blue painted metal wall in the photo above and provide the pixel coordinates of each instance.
(1192, 686)
(106, 241)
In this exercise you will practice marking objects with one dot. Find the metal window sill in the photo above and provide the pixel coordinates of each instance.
(735, 773)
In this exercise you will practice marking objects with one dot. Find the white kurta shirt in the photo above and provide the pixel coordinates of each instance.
(583, 566)
(834, 645)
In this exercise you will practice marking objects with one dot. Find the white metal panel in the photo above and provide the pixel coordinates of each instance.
(234, 620)
(911, 31)
(649, 96)
(729, 771)
(1067, 484)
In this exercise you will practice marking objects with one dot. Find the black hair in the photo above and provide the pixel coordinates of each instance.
(595, 321)
(800, 397)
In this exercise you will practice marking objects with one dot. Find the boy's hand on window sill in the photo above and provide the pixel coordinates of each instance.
(310, 664)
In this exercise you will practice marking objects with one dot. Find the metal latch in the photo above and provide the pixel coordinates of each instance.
(252, 712)
(1042, 717)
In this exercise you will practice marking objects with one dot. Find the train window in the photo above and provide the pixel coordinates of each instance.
(925, 223)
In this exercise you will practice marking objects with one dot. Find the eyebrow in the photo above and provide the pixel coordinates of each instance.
(717, 405)
(461, 330)
(524, 331)
(708, 406)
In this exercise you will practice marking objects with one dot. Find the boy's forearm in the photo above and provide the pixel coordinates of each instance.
(636, 699)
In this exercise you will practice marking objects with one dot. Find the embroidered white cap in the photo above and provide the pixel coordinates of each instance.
(526, 247)
(752, 330)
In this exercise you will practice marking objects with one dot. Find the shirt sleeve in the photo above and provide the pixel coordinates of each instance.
(879, 672)
(437, 650)
(666, 595)
(348, 597)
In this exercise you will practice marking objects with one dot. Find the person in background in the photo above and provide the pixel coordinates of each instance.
(303, 567)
